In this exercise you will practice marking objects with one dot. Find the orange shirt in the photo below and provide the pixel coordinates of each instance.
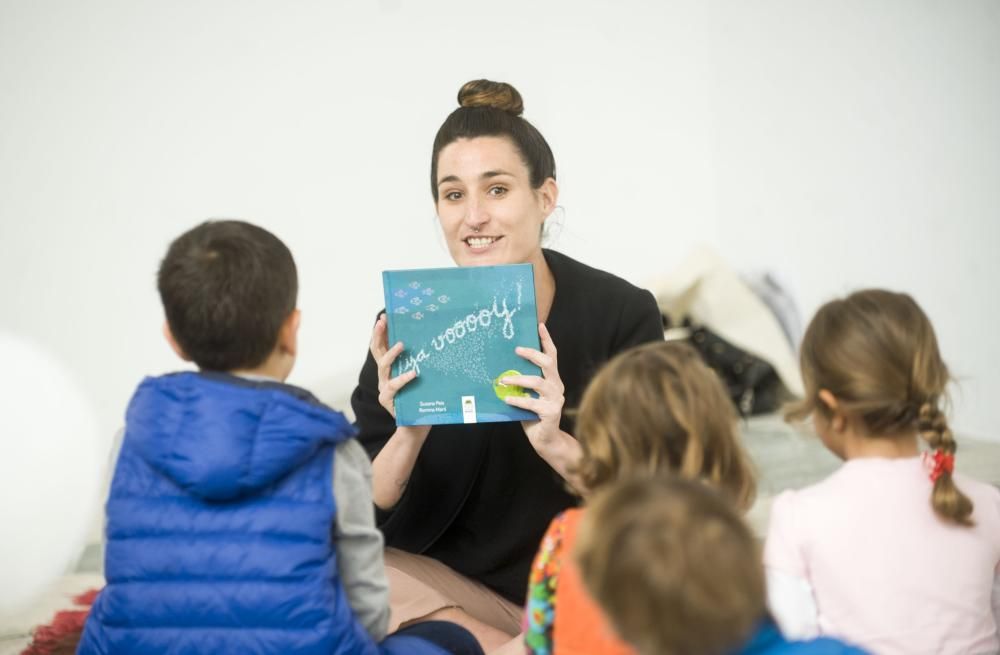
(562, 618)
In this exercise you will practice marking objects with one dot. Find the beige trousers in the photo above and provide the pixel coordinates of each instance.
(419, 586)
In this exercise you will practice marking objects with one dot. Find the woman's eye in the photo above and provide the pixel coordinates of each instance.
(497, 191)
(453, 195)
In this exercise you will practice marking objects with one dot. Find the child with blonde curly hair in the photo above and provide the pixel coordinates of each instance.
(653, 409)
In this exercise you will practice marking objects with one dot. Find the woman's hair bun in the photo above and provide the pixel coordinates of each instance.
(486, 93)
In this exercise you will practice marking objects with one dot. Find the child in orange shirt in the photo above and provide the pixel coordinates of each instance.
(653, 409)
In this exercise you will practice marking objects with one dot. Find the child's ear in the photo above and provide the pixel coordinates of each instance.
(288, 336)
(837, 419)
(176, 347)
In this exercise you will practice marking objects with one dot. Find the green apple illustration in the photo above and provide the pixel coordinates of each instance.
(503, 390)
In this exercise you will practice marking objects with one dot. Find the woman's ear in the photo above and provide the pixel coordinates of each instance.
(288, 336)
(549, 195)
(837, 419)
(176, 347)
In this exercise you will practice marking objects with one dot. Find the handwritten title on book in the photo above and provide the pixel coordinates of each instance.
(457, 331)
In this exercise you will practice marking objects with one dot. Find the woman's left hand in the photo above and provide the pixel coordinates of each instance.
(558, 448)
(542, 433)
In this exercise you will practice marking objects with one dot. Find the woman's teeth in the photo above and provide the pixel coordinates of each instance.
(480, 242)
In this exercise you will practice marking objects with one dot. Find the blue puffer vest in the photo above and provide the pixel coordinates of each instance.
(768, 640)
(219, 525)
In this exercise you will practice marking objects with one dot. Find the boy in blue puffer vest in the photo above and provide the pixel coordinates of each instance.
(240, 517)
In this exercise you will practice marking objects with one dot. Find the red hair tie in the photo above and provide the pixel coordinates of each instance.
(938, 463)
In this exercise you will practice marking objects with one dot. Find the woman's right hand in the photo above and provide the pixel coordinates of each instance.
(392, 467)
(384, 357)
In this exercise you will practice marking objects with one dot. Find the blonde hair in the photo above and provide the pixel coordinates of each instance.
(876, 352)
(672, 565)
(657, 407)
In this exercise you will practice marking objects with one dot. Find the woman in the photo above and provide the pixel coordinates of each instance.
(474, 500)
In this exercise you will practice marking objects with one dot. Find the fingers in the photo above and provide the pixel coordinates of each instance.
(541, 360)
(384, 358)
(535, 405)
(532, 382)
(550, 372)
(385, 361)
(548, 404)
(548, 346)
(546, 388)
(547, 358)
(388, 389)
(544, 408)
(549, 395)
(380, 338)
(550, 385)
(400, 381)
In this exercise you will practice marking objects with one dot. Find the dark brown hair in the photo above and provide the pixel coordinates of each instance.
(489, 108)
(657, 407)
(227, 287)
(876, 352)
(672, 565)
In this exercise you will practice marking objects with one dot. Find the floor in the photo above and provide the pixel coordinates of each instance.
(785, 457)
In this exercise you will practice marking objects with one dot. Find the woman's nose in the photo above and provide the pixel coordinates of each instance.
(476, 216)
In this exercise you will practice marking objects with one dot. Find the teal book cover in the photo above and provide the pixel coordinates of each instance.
(459, 327)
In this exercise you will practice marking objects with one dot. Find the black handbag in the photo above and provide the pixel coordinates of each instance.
(752, 383)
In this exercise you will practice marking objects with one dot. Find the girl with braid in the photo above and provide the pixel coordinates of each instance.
(894, 551)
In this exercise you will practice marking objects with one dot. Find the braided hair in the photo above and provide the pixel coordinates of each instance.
(877, 353)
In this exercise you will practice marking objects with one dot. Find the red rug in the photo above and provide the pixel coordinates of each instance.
(62, 636)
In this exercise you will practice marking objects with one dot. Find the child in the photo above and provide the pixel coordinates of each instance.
(892, 551)
(678, 572)
(653, 408)
(240, 515)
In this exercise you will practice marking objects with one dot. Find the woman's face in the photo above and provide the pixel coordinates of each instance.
(489, 213)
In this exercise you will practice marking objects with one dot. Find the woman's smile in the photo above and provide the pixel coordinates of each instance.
(481, 243)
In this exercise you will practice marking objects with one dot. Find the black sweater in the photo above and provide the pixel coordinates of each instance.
(480, 497)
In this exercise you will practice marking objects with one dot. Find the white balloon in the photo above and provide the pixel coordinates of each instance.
(50, 471)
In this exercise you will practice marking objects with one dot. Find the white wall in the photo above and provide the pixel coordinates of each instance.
(858, 144)
(842, 144)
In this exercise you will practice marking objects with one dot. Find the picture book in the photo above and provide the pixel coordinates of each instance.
(459, 327)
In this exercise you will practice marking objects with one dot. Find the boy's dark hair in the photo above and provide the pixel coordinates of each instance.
(226, 288)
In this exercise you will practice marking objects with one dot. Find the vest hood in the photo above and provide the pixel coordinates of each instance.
(220, 438)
